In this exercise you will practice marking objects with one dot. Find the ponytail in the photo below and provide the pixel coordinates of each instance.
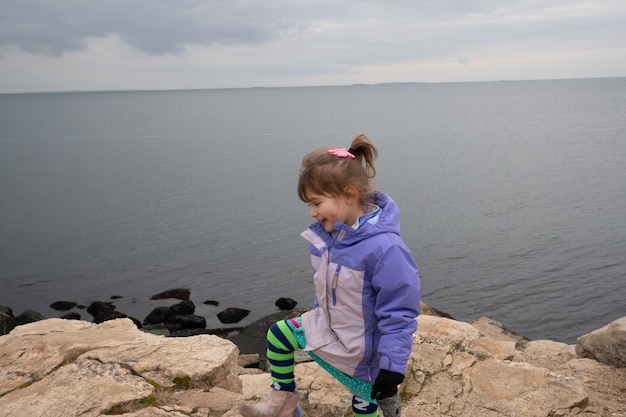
(365, 152)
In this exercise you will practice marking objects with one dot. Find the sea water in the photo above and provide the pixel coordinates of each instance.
(513, 196)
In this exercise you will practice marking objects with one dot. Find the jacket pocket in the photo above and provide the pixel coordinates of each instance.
(317, 331)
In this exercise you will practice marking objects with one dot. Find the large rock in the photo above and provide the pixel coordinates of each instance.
(457, 369)
(67, 368)
(606, 345)
(73, 368)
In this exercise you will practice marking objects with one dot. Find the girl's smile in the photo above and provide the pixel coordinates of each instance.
(329, 210)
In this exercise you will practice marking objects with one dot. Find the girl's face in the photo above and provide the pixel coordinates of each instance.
(328, 210)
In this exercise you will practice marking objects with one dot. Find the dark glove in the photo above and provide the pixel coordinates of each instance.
(386, 384)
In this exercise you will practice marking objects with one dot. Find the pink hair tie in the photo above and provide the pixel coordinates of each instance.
(341, 153)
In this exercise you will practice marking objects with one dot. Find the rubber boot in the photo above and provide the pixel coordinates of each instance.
(279, 404)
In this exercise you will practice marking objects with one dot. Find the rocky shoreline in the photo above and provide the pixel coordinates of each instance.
(58, 367)
(177, 320)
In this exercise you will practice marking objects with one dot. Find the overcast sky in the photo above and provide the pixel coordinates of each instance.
(61, 45)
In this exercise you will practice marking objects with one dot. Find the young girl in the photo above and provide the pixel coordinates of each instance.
(366, 285)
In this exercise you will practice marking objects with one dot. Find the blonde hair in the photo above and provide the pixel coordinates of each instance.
(326, 174)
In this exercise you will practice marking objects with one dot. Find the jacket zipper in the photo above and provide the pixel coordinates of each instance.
(336, 276)
(335, 282)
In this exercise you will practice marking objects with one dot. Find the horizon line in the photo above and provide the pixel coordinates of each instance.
(305, 86)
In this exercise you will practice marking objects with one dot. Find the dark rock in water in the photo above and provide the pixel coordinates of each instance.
(7, 310)
(173, 327)
(211, 303)
(112, 315)
(158, 315)
(178, 293)
(7, 323)
(184, 307)
(190, 321)
(98, 307)
(232, 315)
(72, 315)
(115, 297)
(106, 315)
(63, 305)
(29, 316)
(286, 303)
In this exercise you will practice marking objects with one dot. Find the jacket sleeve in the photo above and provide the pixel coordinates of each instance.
(397, 306)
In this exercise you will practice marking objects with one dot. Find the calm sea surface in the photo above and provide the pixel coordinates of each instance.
(513, 196)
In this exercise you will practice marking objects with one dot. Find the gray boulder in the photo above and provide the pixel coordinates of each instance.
(606, 345)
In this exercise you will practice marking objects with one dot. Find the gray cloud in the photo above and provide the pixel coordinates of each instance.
(199, 43)
(166, 26)
(154, 26)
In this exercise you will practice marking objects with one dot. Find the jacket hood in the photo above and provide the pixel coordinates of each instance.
(388, 222)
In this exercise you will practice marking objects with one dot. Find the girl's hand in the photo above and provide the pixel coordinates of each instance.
(386, 384)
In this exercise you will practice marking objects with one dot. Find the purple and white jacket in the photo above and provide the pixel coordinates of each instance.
(367, 295)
